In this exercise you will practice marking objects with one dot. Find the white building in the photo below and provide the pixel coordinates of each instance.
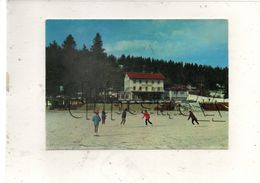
(177, 93)
(142, 86)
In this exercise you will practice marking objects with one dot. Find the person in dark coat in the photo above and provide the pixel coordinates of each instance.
(123, 117)
(103, 117)
(193, 118)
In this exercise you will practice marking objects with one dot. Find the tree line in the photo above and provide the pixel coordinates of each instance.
(91, 71)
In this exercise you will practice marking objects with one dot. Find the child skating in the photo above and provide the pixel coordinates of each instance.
(147, 118)
(103, 116)
(123, 118)
(96, 119)
(193, 118)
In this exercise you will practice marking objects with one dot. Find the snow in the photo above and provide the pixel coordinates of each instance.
(66, 132)
(205, 99)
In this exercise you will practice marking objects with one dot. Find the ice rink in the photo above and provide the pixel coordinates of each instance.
(171, 131)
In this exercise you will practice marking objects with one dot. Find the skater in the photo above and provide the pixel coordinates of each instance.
(96, 119)
(123, 117)
(193, 118)
(147, 117)
(103, 116)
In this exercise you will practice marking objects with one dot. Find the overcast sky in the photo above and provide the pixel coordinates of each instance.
(194, 41)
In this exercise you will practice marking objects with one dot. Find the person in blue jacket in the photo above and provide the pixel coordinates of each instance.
(96, 119)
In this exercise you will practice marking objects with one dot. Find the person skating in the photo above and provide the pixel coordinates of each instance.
(147, 117)
(96, 119)
(103, 116)
(193, 118)
(123, 117)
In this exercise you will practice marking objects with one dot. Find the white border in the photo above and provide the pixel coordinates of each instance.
(27, 160)
(2, 88)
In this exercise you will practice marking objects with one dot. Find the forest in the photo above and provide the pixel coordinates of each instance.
(71, 71)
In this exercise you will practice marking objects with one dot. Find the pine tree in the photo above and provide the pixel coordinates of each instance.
(69, 43)
(54, 69)
(92, 71)
(70, 61)
(97, 47)
(84, 48)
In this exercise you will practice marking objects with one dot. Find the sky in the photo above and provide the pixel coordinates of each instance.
(190, 41)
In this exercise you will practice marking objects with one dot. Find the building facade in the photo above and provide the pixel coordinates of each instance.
(177, 95)
(177, 92)
(142, 86)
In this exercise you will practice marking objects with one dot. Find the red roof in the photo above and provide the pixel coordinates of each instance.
(141, 75)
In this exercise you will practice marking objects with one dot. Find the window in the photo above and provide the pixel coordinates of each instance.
(134, 88)
(140, 88)
(146, 88)
(134, 81)
(159, 88)
(158, 82)
(146, 81)
(140, 81)
(152, 81)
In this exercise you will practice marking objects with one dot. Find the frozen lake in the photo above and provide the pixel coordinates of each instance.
(167, 132)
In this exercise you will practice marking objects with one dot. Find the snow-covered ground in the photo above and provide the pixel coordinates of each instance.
(171, 131)
(198, 98)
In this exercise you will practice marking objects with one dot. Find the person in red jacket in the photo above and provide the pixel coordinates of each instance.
(147, 117)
